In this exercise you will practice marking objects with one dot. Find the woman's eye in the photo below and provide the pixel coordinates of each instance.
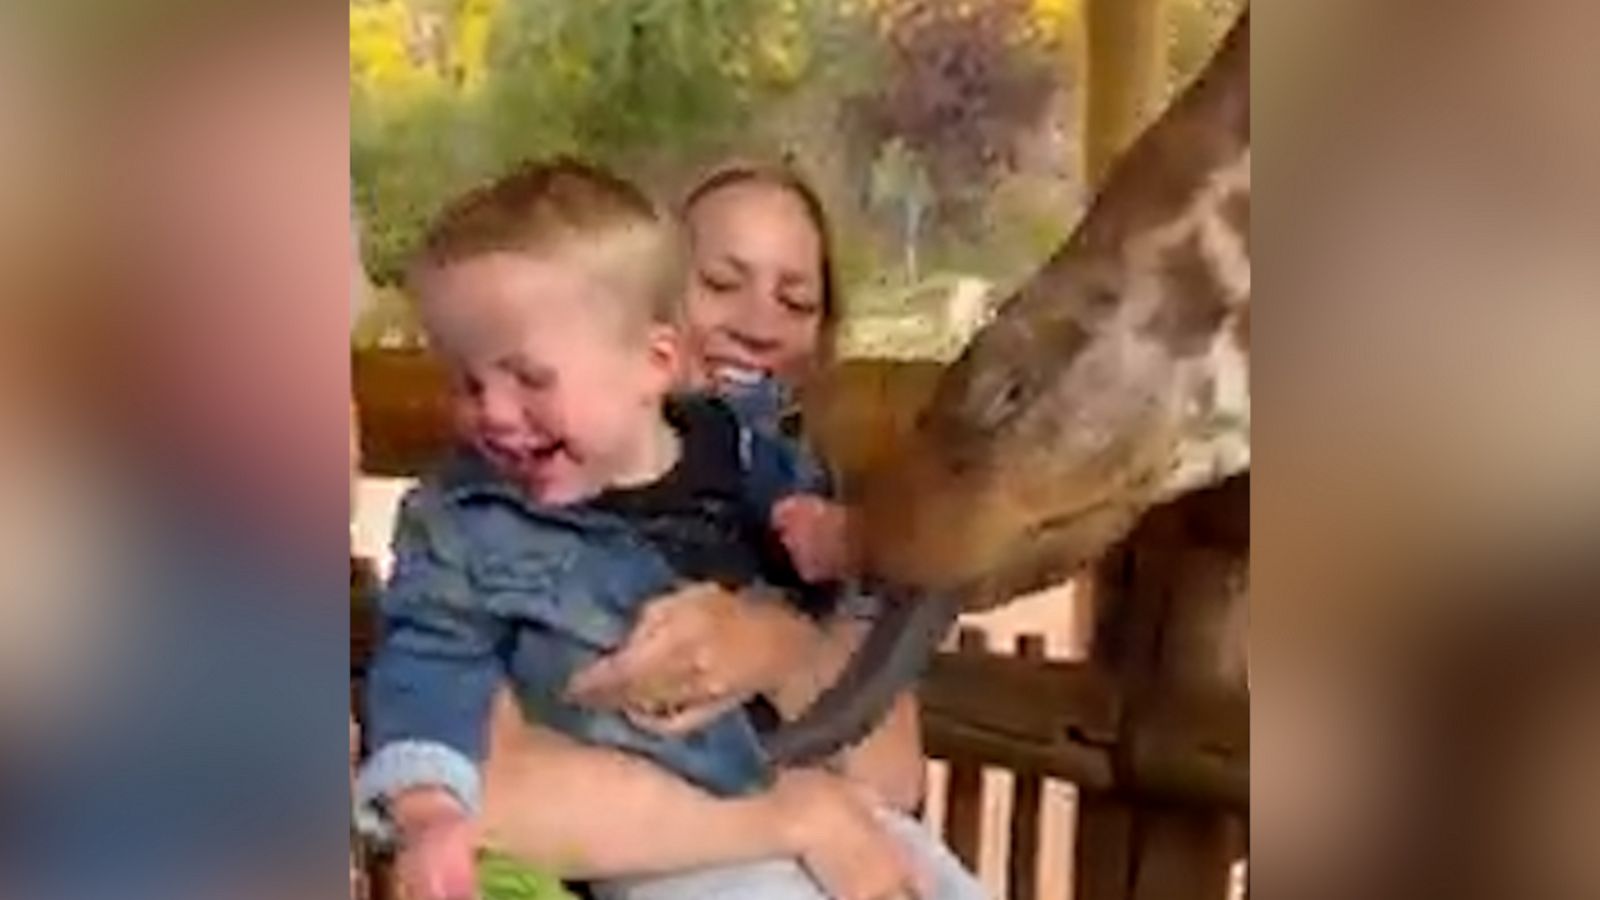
(717, 283)
(801, 306)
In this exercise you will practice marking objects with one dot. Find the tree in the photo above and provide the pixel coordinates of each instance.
(965, 80)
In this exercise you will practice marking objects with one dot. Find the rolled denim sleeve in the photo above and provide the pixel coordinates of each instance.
(434, 672)
(776, 467)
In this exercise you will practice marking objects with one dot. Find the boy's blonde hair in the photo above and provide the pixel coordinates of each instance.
(573, 213)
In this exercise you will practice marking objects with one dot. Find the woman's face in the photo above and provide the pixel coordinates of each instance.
(755, 300)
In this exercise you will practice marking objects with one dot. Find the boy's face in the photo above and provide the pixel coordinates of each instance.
(548, 382)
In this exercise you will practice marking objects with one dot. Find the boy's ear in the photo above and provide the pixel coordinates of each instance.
(668, 357)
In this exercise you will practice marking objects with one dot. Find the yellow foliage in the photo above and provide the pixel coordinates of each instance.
(469, 43)
(1059, 19)
(381, 58)
(779, 50)
(380, 54)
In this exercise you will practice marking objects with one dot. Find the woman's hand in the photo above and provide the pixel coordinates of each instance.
(836, 835)
(694, 655)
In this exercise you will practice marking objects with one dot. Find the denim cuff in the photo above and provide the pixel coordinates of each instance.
(403, 765)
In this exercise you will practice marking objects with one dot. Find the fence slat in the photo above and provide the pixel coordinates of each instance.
(1027, 805)
(964, 798)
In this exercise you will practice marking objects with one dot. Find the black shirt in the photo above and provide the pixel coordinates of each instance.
(695, 515)
(698, 516)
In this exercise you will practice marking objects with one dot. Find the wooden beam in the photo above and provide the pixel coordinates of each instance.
(857, 411)
(1033, 700)
(1124, 60)
(1071, 721)
(400, 398)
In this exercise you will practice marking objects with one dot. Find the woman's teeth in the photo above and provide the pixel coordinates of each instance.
(740, 375)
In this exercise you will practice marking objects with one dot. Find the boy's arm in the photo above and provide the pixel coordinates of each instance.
(433, 675)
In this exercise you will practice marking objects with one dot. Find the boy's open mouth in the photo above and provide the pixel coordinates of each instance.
(521, 456)
(544, 452)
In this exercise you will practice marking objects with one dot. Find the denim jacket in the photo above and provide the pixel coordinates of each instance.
(766, 407)
(488, 584)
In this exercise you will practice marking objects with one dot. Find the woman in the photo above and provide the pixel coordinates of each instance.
(760, 301)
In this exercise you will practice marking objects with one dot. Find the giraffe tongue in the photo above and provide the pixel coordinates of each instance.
(892, 656)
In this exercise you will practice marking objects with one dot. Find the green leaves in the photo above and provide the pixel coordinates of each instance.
(502, 878)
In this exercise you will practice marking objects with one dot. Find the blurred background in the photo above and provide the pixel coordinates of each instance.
(947, 139)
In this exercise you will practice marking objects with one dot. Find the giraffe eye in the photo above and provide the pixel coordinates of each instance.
(1002, 399)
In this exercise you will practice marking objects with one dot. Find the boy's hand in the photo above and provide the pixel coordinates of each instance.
(816, 532)
(437, 859)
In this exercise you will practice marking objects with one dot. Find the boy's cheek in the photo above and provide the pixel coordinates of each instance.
(466, 420)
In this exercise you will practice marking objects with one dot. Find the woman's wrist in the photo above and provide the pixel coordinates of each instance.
(789, 815)
(788, 637)
(830, 644)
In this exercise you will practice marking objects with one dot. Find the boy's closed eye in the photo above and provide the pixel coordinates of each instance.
(529, 375)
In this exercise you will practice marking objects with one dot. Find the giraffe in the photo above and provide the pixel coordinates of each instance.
(1113, 381)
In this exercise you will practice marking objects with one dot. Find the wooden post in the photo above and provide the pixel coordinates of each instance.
(1183, 853)
(1160, 599)
(1102, 851)
(1125, 43)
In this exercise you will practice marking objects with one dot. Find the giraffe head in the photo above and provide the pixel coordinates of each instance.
(1115, 379)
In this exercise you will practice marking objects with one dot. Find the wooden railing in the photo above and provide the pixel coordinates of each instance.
(965, 804)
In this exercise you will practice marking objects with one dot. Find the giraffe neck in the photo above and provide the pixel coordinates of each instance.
(1199, 266)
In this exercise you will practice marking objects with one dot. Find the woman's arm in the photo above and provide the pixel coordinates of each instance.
(706, 650)
(590, 812)
(581, 811)
(889, 759)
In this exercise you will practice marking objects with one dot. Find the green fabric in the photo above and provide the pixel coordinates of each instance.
(502, 878)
